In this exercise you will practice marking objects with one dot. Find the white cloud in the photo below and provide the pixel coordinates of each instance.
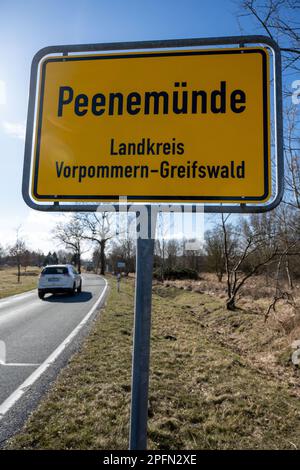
(36, 230)
(14, 129)
(2, 92)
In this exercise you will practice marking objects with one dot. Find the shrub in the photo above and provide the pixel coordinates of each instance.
(176, 273)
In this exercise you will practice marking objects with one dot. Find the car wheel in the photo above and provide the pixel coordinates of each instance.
(41, 295)
(79, 288)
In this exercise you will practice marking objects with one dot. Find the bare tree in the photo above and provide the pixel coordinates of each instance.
(26, 259)
(288, 226)
(98, 229)
(279, 19)
(64, 256)
(17, 251)
(292, 157)
(288, 241)
(283, 295)
(123, 250)
(173, 250)
(214, 246)
(251, 242)
(2, 254)
(71, 234)
(160, 243)
(192, 255)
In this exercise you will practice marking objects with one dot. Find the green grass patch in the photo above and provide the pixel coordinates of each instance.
(203, 394)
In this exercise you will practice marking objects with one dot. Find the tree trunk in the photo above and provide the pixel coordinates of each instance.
(79, 262)
(19, 272)
(230, 304)
(162, 270)
(97, 263)
(102, 257)
(287, 270)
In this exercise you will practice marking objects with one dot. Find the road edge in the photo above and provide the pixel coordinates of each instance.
(15, 410)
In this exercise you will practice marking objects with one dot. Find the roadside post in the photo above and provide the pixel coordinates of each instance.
(142, 330)
(118, 281)
(120, 265)
(162, 124)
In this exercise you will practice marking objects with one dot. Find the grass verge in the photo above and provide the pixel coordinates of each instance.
(9, 281)
(203, 393)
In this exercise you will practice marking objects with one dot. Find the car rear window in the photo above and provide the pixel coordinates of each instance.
(55, 270)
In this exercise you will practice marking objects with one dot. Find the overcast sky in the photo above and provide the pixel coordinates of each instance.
(27, 26)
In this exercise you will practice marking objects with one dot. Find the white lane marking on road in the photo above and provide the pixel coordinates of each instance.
(16, 395)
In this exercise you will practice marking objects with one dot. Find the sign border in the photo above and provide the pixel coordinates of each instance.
(153, 45)
(178, 198)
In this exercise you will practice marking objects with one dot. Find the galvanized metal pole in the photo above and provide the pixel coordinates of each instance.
(142, 329)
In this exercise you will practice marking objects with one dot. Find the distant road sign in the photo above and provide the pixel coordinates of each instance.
(121, 264)
(177, 125)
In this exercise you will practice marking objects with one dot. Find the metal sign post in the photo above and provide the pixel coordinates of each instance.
(142, 329)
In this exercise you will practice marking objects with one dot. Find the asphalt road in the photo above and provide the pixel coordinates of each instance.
(31, 329)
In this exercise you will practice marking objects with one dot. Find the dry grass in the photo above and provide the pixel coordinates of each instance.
(206, 391)
(9, 280)
(254, 297)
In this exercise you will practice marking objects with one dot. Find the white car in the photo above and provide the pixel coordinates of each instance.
(59, 278)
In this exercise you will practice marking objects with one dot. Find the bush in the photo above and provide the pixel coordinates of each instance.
(176, 273)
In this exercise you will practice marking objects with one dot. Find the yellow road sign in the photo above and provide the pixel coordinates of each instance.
(188, 125)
